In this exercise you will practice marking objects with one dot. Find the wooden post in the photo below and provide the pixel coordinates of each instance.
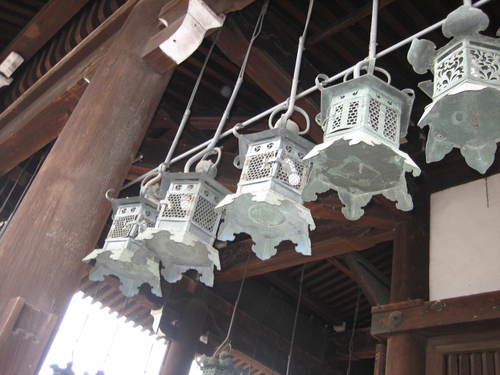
(181, 352)
(410, 280)
(405, 355)
(64, 211)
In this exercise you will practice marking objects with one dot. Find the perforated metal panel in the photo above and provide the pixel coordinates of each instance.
(374, 113)
(121, 226)
(259, 166)
(352, 115)
(178, 205)
(335, 119)
(204, 214)
(391, 122)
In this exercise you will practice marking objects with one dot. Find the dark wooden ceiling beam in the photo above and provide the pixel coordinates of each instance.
(375, 292)
(288, 257)
(54, 15)
(351, 19)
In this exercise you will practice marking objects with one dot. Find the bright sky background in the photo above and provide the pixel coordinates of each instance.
(96, 339)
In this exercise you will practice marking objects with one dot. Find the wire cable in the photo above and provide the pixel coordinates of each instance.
(351, 340)
(295, 320)
(233, 315)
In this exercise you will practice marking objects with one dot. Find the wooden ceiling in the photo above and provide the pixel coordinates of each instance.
(337, 39)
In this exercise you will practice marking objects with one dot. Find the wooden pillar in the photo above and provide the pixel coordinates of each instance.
(410, 280)
(181, 352)
(64, 211)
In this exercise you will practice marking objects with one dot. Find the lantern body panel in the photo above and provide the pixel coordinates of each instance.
(187, 225)
(268, 204)
(122, 254)
(465, 92)
(366, 103)
(363, 120)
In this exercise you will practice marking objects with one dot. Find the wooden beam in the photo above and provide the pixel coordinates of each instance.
(252, 363)
(374, 215)
(375, 292)
(288, 257)
(264, 71)
(39, 114)
(364, 345)
(49, 20)
(424, 316)
(351, 19)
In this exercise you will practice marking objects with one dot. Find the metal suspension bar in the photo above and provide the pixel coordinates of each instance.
(301, 95)
(234, 94)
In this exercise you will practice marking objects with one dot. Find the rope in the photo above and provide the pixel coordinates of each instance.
(295, 320)
(234, 94)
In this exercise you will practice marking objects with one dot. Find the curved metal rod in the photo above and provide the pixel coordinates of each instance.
(303, 94)
(296, 72)
(187, 112)
(234, 94)
(372, 46)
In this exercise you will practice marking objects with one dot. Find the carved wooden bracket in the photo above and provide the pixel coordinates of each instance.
(23, 328)
(186, 24)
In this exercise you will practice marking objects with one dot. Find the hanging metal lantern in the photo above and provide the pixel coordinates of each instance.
(123, 255)
(363, 120)
(267, 204)
(465, 93)
(218, 365)
(187, 223)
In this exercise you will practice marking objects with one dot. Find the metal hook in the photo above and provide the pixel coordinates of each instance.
(281, 123)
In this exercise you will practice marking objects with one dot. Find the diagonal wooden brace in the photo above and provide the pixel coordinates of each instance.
(186, 22)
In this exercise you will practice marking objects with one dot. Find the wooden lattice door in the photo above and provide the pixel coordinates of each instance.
(464, 354)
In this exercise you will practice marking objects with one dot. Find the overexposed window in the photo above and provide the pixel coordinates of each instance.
(95, 339)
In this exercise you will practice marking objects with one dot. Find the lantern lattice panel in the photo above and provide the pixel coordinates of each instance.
(187, 225)
(364, 107)
(123, 255)
(465, 92)
(267, 204)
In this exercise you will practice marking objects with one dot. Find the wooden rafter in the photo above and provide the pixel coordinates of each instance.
(354, 17)
(42, 27)
(288, 257)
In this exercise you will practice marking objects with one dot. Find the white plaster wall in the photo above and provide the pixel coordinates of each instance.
(465, 239)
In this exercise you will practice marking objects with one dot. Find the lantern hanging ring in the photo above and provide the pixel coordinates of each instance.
(148, 182)
(108, 194)
(282, 124)
(364, 65)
